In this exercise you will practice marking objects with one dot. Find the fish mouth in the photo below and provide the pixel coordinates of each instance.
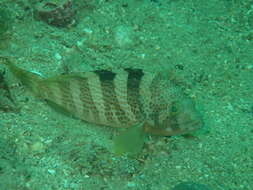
(190, 125)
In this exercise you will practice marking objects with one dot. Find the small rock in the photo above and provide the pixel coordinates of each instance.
(124, 36)
(38, 147)
(56, 13)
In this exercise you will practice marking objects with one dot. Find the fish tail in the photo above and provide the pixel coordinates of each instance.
(27, 78)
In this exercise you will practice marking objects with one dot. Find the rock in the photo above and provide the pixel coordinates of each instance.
(56, 13)
(191, 186)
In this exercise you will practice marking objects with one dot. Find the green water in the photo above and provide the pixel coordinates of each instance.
(205, 45)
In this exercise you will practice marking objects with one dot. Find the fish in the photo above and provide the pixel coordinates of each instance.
(139, 101)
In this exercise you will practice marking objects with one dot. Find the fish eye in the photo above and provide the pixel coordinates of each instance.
(174, 108)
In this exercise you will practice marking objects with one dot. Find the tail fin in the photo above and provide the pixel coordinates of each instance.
(28, 79)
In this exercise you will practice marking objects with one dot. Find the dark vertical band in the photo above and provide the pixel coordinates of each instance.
(112, 107)
(133, 90)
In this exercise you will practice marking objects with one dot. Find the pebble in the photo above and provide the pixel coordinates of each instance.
(51, 171)
(58, 56)
(38, 147)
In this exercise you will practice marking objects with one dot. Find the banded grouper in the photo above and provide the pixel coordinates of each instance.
(142, 102)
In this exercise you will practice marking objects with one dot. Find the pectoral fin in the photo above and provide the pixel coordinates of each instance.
(130, 141)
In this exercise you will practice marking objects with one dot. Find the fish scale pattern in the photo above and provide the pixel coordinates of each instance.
(121, 99)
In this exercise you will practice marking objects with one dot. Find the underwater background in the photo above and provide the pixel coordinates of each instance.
(208, 45)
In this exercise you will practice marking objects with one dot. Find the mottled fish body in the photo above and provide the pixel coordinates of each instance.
(123, 99)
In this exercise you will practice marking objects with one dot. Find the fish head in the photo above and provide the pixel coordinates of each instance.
(183, 118)
(180, 117)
